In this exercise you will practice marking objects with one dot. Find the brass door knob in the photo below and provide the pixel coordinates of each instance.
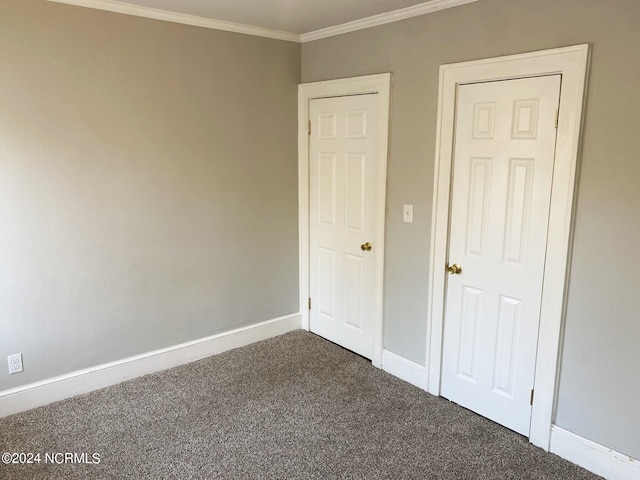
(365, 247)
(454, 269)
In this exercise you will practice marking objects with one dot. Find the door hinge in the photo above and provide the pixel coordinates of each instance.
(309, 127)
(531, 399)
(309, 303)
(557, 116)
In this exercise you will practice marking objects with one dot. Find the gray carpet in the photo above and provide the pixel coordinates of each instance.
(295, 406)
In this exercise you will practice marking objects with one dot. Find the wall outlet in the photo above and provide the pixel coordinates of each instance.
(15, 363)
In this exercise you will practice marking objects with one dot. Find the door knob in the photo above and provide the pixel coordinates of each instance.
(454, 269)
(365, 247)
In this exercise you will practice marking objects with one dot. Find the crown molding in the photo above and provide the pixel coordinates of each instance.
(186, 19)
(167, 16)
(383, 18)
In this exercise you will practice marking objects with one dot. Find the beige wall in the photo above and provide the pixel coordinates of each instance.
(599, 386)
(148, 185)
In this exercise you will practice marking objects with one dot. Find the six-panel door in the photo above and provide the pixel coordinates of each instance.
(342, 219)
(503, 165)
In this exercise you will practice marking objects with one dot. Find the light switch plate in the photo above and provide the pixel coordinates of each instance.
(407, 215)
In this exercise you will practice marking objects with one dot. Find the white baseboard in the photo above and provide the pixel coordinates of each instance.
(404, 369)
(594, 457)
(82, 381)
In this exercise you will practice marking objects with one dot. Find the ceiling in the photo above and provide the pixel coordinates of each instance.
(295, 16)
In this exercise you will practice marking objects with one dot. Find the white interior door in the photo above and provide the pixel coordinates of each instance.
(342, 219)
(503, 165)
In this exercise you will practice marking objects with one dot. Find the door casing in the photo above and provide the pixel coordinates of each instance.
(572, 63)
(381, 85)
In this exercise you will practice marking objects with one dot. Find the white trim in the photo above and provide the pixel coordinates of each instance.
(380, 84)
(594, 457)
(197, 21)
(383, 18)
(82, 381)
(186, 19)
(572, 63)
(404, 369)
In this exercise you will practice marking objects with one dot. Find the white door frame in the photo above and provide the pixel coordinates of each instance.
(571, 63)
(380, 84)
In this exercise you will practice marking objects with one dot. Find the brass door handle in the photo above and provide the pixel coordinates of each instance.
(454, 269)
(366, 247)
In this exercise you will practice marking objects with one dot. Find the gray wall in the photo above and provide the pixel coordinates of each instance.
(599, 379)
(148, 184)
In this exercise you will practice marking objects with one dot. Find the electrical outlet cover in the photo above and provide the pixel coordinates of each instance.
(15, 363)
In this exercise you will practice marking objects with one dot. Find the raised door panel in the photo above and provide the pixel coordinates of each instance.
(471, 315)
(478, 207)
(519, 195)
(326, 283)
(354, 289)
(327, 189)
(355, 191)
(505, 365)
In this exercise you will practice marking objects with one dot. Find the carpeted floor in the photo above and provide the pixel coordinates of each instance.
(295, 406)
